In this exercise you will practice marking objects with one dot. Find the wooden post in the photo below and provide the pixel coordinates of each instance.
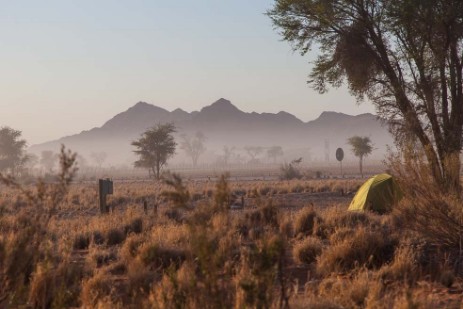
(145, 206)
(102, 196)
(105, 187)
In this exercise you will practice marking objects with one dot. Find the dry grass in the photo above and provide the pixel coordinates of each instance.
(207, 256)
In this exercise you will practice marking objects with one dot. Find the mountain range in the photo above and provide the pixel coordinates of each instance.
(224, 124)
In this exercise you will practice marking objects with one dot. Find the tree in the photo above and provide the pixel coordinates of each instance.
(99, 157)
(361, 147)
(12, 150)
(155, 147)
(406, 57)
(193, 146)
(48, 159)
(253, 152)
(275, 152)
(228, 152)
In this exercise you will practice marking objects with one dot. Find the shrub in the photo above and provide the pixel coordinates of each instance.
(403, 267)
(98, 238)
(81, 242)
(307, 250)
(136, 226)
(114, 237)
(305, 221)
(365, 248)
(289, 171)
(156, 256)
(95, 289)
(265, 191)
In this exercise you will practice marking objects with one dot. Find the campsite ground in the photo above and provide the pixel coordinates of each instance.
(292, 242)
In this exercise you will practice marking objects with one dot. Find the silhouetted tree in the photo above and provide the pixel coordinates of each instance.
(361, 147)
(193, 146)
(227, 154)
(406, 57)
(253, 152)
(275, 152)
(155, 147)
(12, 150)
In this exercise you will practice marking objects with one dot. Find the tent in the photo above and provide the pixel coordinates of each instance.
(379, 194)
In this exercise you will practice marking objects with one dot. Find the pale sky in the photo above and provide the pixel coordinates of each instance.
(71, 65)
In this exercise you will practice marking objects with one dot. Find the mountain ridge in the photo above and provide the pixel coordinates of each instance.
(223, 123)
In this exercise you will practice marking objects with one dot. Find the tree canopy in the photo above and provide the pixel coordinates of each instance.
(405, 56)
(361, 147)
(193, 146)
(155, 147)
(12, 150)
(274, 152)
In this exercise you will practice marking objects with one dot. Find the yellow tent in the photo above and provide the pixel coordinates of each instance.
(379, 194)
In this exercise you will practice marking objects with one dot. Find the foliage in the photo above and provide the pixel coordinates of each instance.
(253, 152)
(406, 57)
(228, 152)
(25, 252)
(179, 196)
(155, 147)
(291, 170)
(260, 257)
(222, 193)
(12, 150)
(274, 152)
(361, 147)
(193, 146)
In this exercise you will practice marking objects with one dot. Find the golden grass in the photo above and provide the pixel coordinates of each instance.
(264, 256)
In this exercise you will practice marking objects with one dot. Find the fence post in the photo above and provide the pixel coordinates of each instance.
(105, 187)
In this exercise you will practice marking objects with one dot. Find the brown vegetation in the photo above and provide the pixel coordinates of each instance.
(207, 256)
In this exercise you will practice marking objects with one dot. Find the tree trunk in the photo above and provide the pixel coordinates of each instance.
(361, 165)
(158, 169)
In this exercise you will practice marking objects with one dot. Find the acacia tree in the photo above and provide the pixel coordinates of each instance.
(12, 150)
(274, 152)
(253, 152)
(228, 152)
(361, 147)
(155, 147)
(406, 57)
(193, 146)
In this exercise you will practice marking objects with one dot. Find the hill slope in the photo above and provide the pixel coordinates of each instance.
(224, 124)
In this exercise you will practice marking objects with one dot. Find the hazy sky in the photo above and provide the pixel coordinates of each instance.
(68, 66)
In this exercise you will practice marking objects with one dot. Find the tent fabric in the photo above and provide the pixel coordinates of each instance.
(379, 194)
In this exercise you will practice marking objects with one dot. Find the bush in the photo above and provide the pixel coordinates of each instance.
(81, 242)
(365, 248)
(305, 221)
(98, 238)
(156, 256)
(136, 226)
(403, 268)
(115, 237)
(306, 251)
(288, 172)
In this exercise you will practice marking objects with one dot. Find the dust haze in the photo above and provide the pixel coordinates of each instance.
(229, 138)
